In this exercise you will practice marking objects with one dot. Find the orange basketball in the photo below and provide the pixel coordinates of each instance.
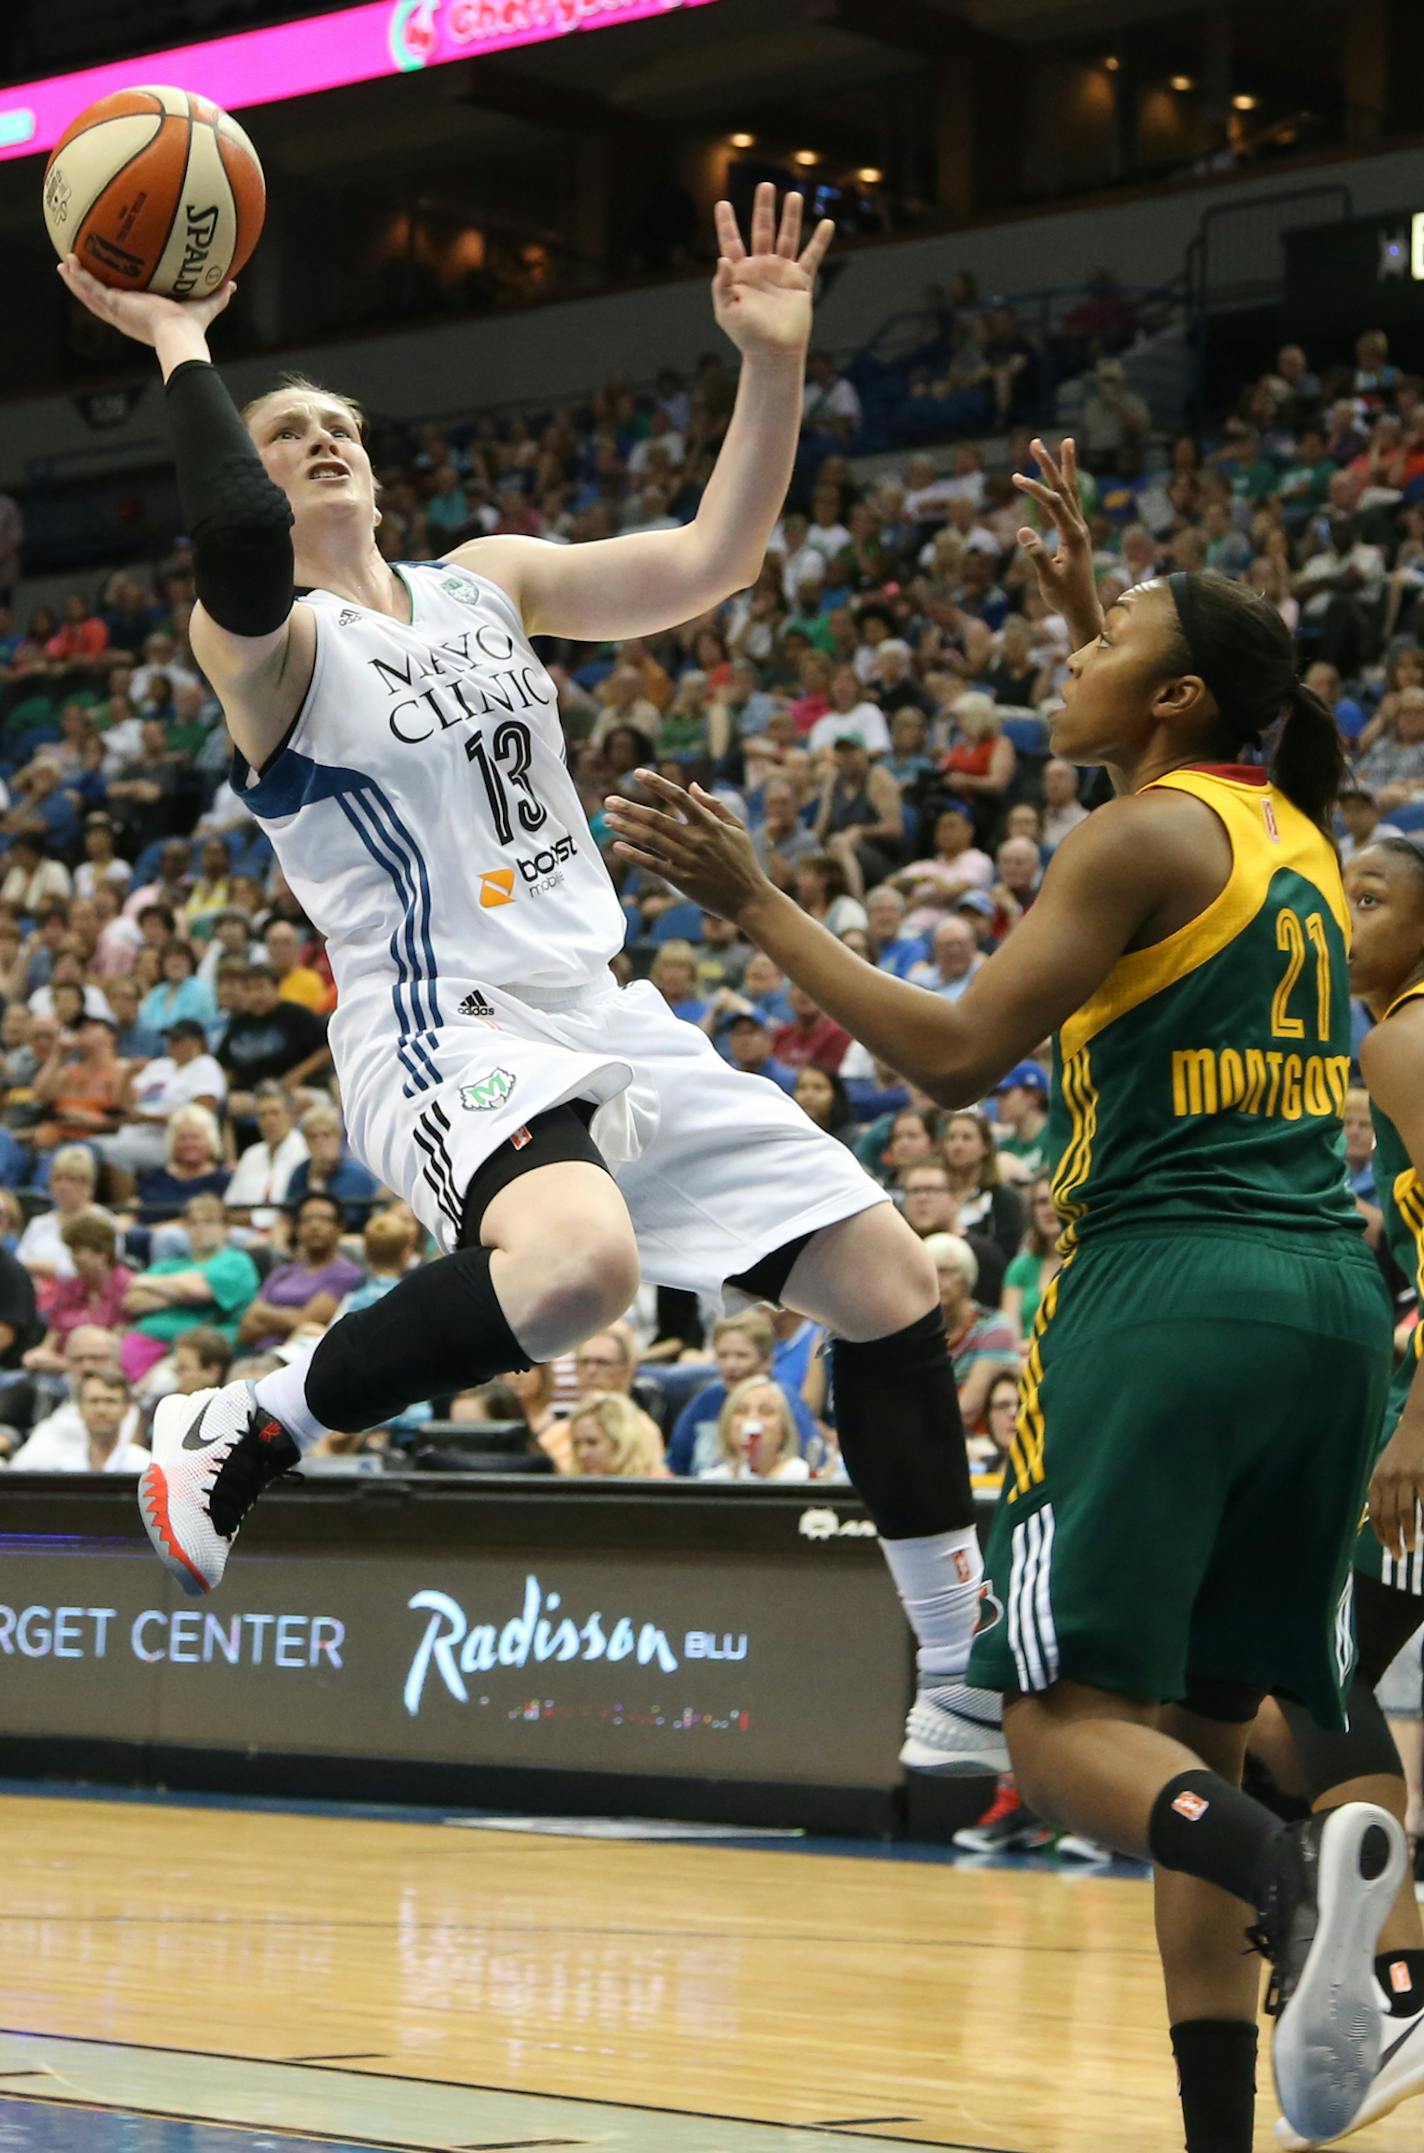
(155, 190)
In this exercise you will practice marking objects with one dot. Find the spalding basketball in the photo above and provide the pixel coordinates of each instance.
(155, 190)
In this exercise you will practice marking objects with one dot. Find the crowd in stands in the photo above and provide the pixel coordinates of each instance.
(177, 1202)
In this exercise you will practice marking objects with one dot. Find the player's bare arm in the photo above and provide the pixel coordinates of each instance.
(1133, 873)
(259, 680)
(1391, 1060)
(616, 587)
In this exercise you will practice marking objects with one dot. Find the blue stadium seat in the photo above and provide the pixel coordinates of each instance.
(1029, 735)
(1407, 819)
(680, 923)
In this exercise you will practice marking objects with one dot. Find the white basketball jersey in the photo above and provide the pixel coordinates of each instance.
(423, 813)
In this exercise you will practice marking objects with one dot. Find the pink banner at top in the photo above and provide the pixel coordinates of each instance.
(322, 52)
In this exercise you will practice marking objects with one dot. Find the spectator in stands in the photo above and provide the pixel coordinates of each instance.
(1360, 1161)
(192, 1164)
(930, 886)
(831, 404)
(810, 1036)
(133, 1041)
(98, 1444)
(296, 980)
(42, 1249)
(152, 1092)
(746, 1041)
(93, 1295)
(261, 1179)
(984, 1203)
(1062, 809)
(611, 1438)
(32, 878)
(860, 821)
(270, 1038)
(1394, 766)
(1115, 423)
(78, 644)
(1036, 1264)
(330, 1168)
(1021, 1104)
(304, 1292)
(1020, 865)
(180, 992)
(202, 1358)
(822, 1097)
(533, 1388)
(925, 1197)
(1001, 1414)
(608, 1361)
(955, 957)
(212, 1285)
(757, 1436)
(1362, 816)
(981, 1340)
(80, 1082)
(742, 1346)
(819, 884)
(674, 974)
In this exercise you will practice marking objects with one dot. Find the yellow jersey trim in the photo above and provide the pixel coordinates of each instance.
(1410, 994)
(1266, 833)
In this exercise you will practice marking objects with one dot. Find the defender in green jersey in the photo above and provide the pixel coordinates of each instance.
(1385, 888)
(1195, 1429)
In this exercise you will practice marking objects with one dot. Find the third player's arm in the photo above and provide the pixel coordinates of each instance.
(1392, 1063)
(1103, 890)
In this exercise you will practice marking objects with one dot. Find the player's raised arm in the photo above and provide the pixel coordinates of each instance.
(245, 629)
(1104, 884)
(651, 580)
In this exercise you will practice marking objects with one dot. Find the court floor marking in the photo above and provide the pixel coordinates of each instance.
(426, 2115)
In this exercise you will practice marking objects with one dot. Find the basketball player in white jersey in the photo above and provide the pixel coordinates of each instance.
(400, 741)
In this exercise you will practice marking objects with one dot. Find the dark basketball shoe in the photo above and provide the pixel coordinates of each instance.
(1336, 1878)
(213, 1454)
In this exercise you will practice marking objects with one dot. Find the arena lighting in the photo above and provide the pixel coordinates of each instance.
(1245, 103)
(319, 52)
(1183, 82)
(870, 175)
(1112, 63)
(742, 142)
(806, 157)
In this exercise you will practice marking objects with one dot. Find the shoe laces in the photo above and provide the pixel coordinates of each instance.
(263, 1453)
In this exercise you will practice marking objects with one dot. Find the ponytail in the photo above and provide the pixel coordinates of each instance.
(1241, 649)
(1309, 760)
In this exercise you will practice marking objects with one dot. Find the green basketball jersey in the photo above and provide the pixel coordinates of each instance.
(1401, 1199)
(1205, 1080)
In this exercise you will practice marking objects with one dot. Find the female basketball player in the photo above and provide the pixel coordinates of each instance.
(1385, 888)
(399, 738)
(1174, 1535)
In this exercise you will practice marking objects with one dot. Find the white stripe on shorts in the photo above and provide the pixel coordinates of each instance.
(1032, 1636)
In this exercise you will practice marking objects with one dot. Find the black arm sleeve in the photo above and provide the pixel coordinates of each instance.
(240, 523)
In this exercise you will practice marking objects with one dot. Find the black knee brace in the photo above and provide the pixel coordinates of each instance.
(441, 1329)
(1365, 1751)
(897, 1416)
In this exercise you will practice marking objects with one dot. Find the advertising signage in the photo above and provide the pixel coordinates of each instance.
(319, 52)
(661, 1654)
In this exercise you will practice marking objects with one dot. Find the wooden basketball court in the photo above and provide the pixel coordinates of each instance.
(319, 1978)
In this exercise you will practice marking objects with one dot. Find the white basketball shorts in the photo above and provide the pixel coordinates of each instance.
(718, 1169)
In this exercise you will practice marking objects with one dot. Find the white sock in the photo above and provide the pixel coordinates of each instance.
(283, 1394)
(938, 1580)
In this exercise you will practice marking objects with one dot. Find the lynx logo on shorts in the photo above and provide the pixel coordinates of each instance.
(496, 887)
(491, 1091)
(1191, 1806)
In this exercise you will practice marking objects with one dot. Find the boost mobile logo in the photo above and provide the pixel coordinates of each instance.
(830, 1525)
(412, 36)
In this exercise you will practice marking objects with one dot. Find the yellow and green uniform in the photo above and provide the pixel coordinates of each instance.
(1401, 1196)
(1206, 1369)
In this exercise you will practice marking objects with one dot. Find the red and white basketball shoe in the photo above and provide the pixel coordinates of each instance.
(213, 1454)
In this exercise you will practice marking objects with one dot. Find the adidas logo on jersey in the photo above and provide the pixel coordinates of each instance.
(475, 1005)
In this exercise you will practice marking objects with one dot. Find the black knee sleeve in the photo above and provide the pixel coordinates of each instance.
(1365, 1751)
(897, 1417)
(441, 1329)
(552, 1139)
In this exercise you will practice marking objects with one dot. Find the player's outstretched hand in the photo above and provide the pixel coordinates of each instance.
(761, 293)
(1397, 1489)
(141, 315)
(1065, 576)
(692, 840)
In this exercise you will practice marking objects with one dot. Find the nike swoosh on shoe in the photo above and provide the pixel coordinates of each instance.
(192, 1440)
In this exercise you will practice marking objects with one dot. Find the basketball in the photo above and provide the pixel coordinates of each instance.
(155, 190)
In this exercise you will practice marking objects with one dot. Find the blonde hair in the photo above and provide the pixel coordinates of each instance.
(946, 1248)
(193, 1117)
(387, 1240)
(737, 1400)
(753, 1324)
(673, 953)
(74, 1159)
(626, 1426)
(977, 715)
